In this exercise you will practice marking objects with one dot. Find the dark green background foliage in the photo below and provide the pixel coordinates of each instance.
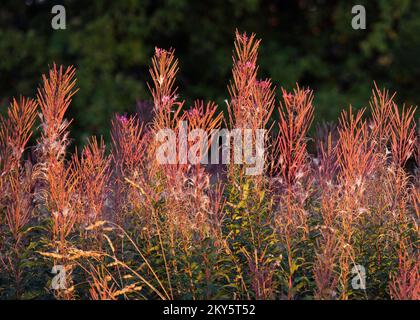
(111, 42)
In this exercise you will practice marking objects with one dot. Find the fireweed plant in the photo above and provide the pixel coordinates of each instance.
(341, 223)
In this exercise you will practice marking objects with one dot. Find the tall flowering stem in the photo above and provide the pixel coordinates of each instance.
(57, 178)
(16, 182)
(290, 155)
(163, 72)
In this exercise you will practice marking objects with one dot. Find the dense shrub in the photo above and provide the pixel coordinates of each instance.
(124, 226)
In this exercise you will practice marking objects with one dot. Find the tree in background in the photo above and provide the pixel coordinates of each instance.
(305, 41)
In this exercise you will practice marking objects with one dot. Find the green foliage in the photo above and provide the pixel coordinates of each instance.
(310, 42)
